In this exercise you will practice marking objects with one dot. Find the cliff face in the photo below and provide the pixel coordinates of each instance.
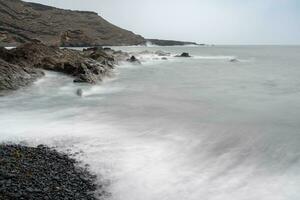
(22, 22)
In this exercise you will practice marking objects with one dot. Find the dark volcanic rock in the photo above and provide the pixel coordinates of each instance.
(41, 173)
(133, 59)
(233, 60)
(22, 22)
(32, 57)
(184, 55)
(13, 76)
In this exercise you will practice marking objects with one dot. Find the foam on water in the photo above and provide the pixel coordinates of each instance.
(179, 129)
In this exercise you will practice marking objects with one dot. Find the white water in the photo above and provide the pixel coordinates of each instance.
(186, 128)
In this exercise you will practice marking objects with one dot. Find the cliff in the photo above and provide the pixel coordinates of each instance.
(22, 22)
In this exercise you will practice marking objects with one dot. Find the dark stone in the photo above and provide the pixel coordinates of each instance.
(233, 60)
(79, 92)
(184, 55)
(133, 59)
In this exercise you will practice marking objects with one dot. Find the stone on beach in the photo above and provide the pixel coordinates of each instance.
(43, 173)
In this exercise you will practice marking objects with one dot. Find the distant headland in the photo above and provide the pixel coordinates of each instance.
(23, 22)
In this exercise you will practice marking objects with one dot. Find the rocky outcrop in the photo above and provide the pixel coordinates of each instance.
(22, 22)
(13, 76)
(22, 65)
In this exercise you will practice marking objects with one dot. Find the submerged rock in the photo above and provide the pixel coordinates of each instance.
(133, 59)
(184, 55)
(233, 60)
(43, 173)
(79, 92)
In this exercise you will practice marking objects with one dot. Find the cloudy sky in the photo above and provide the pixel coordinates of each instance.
(203, 21)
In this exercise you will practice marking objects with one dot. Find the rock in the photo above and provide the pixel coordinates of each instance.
(233, 60)
(79, 92)
(23, 64)
(120, 56)
(184, 55)
(133, 59)
(164, 58)
(14, 76)
(75, 38)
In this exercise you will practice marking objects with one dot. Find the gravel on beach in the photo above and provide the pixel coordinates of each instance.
(42, 173)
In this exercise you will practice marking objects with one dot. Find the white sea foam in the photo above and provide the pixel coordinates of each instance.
(189, 129)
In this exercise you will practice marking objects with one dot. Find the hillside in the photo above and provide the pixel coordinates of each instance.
(22, 22)
(170, 42)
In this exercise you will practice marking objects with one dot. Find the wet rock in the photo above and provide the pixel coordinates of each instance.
(13, 76)
(184, 55)
(23, 65)
(233, 60)
(164, 58)
(79, 92)
(134, 60)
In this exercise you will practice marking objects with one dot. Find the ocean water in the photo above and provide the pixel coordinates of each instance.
(183, 128)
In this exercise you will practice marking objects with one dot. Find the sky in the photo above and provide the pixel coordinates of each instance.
(202, 21)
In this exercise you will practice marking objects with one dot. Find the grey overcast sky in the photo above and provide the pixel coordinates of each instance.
(203, 21)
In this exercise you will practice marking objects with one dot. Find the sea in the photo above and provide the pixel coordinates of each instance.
(223, 124)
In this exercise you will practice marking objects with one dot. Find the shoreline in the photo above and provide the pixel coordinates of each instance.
(23, 65)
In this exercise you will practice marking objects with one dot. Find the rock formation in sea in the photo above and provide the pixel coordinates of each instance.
(22, 22)
(24, 64)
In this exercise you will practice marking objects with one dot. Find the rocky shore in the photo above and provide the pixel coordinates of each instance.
(42, 173)
(24, 64)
